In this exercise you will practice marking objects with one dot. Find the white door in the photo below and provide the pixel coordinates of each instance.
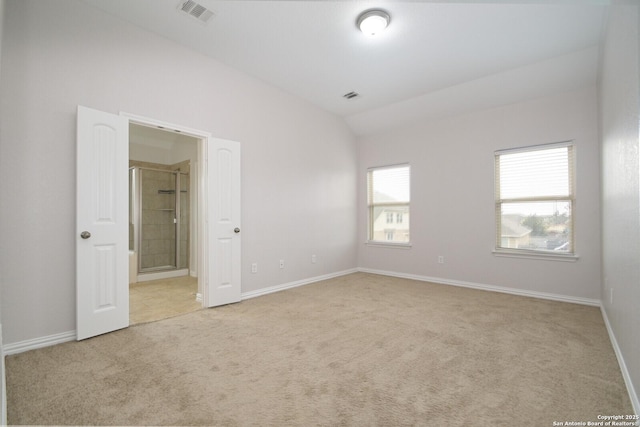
(223, 254)
(102, 218)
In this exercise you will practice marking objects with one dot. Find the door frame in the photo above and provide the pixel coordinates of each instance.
(204, 139)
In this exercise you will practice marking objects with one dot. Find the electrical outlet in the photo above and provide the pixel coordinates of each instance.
(281, 263)
(254, 267)
(440, 259)
(313, 259)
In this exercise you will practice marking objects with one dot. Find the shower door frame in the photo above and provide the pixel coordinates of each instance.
(137, 215)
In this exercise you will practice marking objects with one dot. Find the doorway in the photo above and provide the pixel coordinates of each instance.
(102, 264)
(163, 224)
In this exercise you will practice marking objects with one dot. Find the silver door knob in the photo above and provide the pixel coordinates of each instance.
(236, 230)
(85, 234)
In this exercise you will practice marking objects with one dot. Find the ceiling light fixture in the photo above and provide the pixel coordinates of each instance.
(372, 22)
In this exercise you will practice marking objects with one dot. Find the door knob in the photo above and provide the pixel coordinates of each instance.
(236, 230)
(85, 234)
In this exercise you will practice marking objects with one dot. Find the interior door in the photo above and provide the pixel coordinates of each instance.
(223, 222)
(102, 264)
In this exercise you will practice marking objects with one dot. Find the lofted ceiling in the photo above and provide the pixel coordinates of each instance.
(436, 58)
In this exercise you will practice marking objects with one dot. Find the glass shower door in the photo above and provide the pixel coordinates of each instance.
(158, 200)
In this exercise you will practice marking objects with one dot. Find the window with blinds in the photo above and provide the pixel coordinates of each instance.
(534, 191)
(388, 199)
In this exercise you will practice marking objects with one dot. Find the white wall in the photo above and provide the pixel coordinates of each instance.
(3, 396)
(298, 162)
(452, 200)
(147, 153)
(619, 119)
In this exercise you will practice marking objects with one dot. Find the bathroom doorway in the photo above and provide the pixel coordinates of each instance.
(162, 224)
(102, 285)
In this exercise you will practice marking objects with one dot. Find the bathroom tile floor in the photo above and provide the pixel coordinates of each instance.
(161, 299)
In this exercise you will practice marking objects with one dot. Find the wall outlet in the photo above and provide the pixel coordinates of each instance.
(281, 263)
(314, 259)
(440, 259)
(254, 267)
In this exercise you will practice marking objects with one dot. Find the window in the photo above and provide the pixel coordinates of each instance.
(534, 189)
(388, 197)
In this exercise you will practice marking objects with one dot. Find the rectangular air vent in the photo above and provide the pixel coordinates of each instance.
(350, 95)
(195, 10)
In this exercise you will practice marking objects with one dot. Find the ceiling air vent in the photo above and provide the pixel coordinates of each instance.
(195, 10)
(350, 95)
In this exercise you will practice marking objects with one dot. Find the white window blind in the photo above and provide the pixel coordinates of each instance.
(535, 198)
(389, 196)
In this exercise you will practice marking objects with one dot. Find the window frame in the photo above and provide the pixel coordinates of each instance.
(570, 198)
(372, 206)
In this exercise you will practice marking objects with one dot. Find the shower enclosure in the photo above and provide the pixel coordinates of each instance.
(159, 219)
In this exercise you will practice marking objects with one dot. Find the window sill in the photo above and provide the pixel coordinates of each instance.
(547, 256)
(373, 243)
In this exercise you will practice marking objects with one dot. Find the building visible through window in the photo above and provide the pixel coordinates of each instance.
(388, 201)
(535, 198)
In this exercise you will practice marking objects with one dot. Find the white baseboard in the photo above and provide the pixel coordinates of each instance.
(32, 344)
(282, 287)
(484, 287)
(633, 396)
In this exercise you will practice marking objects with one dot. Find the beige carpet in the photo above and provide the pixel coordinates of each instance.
(359, 350)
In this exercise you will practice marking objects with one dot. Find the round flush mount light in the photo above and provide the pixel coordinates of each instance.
(373, 22)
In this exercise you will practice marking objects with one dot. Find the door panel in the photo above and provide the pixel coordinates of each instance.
(102, 264)
(223, 218)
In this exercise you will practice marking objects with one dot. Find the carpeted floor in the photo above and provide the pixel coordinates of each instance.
(359, 350)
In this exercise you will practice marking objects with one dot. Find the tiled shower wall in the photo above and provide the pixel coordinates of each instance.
(158, 247)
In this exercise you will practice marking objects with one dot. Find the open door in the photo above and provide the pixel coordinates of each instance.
(102, 224)
(223, 253)
(102, 218)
